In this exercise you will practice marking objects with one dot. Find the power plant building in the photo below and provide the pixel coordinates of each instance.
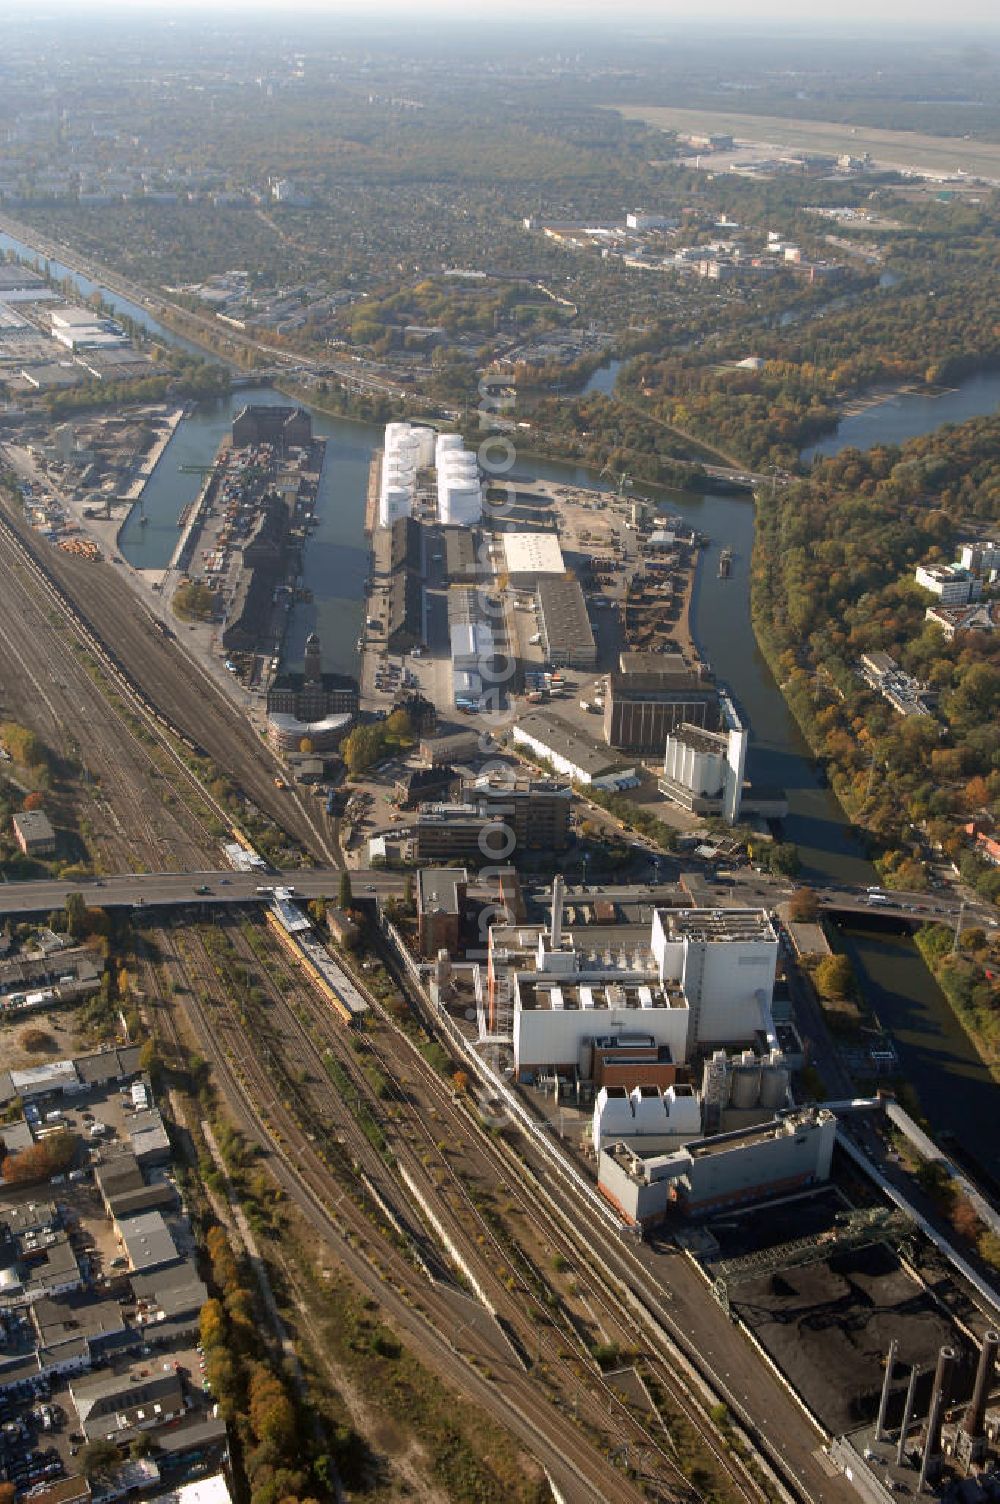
(791, 1152)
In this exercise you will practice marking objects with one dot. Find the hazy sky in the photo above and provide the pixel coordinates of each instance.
(655, 15)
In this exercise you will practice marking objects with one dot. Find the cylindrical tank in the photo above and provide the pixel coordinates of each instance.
(746, 1086)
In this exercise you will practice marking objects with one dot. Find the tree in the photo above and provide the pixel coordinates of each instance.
(76, 914)
(48, 1157)
(306, 746)
(35, 1040)
(34, 801)
(345, 892)
(99, 1458)
(834, 976)
(804, 905)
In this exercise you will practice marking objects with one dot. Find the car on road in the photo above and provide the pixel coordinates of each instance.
(203, 888)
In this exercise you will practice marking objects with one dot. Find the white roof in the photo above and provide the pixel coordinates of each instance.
(210, 1490)
(533, 553)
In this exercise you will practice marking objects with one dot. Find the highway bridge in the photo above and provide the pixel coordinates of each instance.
(210, 888)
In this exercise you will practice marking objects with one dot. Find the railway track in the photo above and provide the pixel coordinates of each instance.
(180, 701)
(483, 1369)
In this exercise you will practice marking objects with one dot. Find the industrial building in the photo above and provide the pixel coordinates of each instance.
(570, 752)
(284, 427)
(461, 555)
(566, 633)
(529, 557)
(82, 329)
(725, 961)
(703, 770)
(459, 491)
(404, 624)
(794, 1150)
(692, 980)
(457, 747)
(33, 832)
(651, 695)
(472, 662)
(650, 1119)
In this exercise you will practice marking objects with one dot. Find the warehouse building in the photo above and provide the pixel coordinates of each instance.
(405, 611)
(284, 427)
(457, 747)
(33, 833)
(567, 636)
(529, 557)
(651, 695)
(461, 555)
(571, 752)
(791, 1152)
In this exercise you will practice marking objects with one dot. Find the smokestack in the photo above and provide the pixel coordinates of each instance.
(890, 1364)
(975, 1415)
(930, 1457)
(940, 1395)
(911, 1395)
(555, 932)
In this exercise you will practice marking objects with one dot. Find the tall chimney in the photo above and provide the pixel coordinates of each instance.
(930, 1461)
(975, 1415)
(555, 931)
(940, 1395)
(890, 1364)
(911, 1395)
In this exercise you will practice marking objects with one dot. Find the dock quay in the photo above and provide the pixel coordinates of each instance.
(371, 501)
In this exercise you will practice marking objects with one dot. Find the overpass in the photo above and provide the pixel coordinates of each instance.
(209, 888)
(158, 890)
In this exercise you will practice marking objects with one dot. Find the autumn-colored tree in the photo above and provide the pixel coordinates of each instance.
(211, 1324)
(50, 1156)
(34, 801)
(272, 1414)
(803, 905)
(36, 1040)
(460, 1081)
(834, 976)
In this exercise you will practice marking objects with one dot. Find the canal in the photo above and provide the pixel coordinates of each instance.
(955, 1090)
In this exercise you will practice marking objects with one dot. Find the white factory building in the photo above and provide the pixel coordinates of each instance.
(459, 491)
(704, 770)
(792, 1151)
(724, 960)
(81, 329)
(530, 556)
(699, 978)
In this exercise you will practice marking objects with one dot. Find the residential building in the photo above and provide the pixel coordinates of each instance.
(951, 583)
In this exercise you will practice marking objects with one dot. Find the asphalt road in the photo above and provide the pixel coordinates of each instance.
(169, 889)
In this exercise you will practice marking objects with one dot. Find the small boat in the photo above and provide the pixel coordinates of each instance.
(725, 563)
(143, 520)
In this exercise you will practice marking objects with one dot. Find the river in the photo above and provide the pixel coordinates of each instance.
(955, 1090)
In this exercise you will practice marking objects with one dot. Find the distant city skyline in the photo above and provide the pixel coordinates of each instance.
(659, 15)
